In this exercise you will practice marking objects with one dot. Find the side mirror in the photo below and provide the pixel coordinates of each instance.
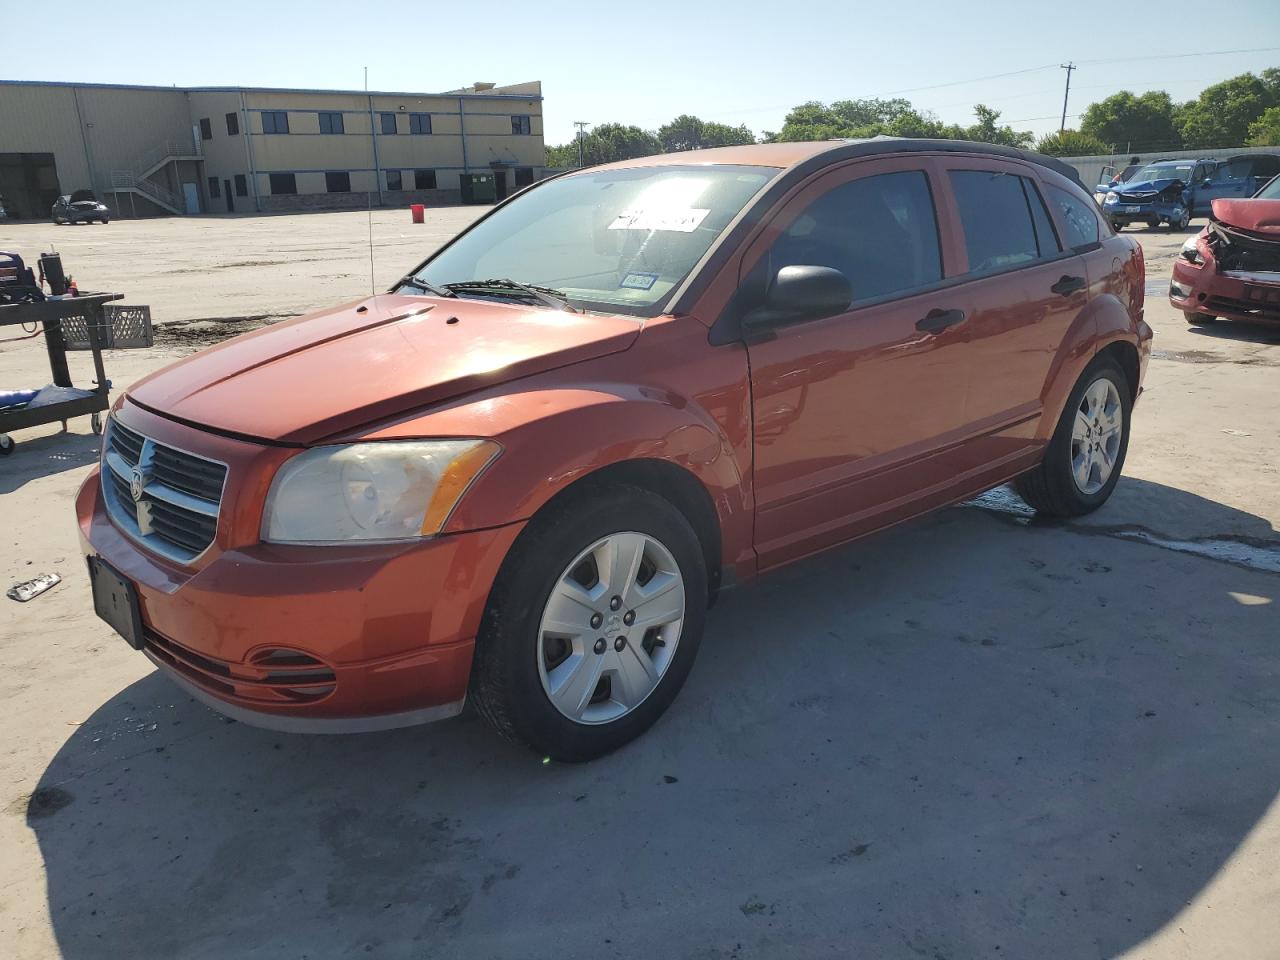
(799, 293)
(1206, 183)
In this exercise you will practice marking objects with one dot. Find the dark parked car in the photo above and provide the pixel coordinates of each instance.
(80, 207)
(520, 477)
(1161, 192)
(1231, 271)
(1236, 178)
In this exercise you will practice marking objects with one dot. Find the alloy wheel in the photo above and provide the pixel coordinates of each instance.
(1095, 436)
(610, 627)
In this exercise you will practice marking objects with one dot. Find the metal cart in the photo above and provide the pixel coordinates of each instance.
(85, 313)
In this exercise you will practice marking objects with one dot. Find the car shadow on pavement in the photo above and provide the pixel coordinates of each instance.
(963, 738)
(45, 455)
(1238, 330)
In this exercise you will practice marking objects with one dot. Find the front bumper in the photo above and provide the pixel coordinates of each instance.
(318, 639)
(1203, 289)
(1141, 212)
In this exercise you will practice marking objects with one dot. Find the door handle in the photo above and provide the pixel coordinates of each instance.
(935, 321)
(1069, 285)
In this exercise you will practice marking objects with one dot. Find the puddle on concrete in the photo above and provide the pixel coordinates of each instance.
(1256, 555)
(1157, 288)
(1256, 359)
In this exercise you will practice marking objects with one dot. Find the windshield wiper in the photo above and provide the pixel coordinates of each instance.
(431, 288)
(547, 296)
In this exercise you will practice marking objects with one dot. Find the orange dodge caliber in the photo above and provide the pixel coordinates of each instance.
(521, 476)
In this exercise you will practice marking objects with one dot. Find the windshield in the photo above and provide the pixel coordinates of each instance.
(1165, 171)
(617, 240)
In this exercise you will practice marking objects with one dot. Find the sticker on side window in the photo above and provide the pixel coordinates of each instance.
(639, 281)
(684, 220)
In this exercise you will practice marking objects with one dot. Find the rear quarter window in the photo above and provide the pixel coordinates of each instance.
(1080, 220)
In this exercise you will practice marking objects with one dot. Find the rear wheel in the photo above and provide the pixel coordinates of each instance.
(1117, 225)
(1200, 319)
(1082, 463)
(6, 444)
(593, 624)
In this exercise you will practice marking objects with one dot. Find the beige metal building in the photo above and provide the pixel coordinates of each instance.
(153, 150)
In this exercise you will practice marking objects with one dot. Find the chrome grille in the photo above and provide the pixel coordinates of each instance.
(1137, 197)
(163, 497)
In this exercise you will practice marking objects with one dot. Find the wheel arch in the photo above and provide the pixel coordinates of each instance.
(674, 483)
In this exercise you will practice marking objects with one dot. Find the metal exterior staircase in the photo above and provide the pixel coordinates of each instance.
(126, 181)
(138, 180)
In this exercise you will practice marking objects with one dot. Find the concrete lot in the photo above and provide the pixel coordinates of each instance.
(974, 736)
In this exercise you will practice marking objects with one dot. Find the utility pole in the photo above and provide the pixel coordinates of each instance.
(1068, 66)
(581, 134)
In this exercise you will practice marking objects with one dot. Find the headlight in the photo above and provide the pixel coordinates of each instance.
(372, 491)
(1112, 197)
(1191, 251)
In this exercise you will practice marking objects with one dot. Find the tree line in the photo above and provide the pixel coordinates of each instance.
(1241, 110)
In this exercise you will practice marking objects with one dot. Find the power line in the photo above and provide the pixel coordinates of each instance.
(1181, 56)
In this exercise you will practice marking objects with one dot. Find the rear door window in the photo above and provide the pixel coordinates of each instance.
(879, 231)
(1005, 224)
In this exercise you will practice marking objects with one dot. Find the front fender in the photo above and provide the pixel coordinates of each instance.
(579, 430)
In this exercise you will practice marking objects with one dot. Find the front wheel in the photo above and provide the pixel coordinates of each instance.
(1180, 219)
(1084, 457)
(1200, 319)
(593, 624)
(1117, 225)
(6, 445)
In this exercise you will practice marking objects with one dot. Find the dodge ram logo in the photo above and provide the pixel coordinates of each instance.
(136, 484)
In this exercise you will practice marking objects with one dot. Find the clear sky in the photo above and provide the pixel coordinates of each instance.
(644, 63)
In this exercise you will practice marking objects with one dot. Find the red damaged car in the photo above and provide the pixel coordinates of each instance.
(1231, 271)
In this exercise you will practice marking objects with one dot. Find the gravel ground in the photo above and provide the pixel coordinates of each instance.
(973, 736)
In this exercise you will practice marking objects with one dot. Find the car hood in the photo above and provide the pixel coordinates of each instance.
(1255, 216)
(1146, 186)
(318, 376)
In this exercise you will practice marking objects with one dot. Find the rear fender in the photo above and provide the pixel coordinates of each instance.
(1105, 320)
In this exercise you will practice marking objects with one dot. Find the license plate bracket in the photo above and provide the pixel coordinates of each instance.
(115, 600)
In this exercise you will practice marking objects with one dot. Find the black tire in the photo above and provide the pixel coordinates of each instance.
(1050, 488)
(506, 688)
(1117, 225)
(7, 445)
(105, 220)
(1153, 223)
(1200, 319)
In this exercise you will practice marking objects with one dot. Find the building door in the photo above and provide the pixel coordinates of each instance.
(192, 194)
(500, 185)
(231, 200)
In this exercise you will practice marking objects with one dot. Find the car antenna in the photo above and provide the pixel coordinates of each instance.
(373, 290)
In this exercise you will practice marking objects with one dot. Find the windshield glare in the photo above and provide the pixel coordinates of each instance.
(1271, 191)
(617, 240)
(1165, 171)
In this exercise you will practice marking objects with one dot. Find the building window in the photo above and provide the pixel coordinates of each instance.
(388, 121)
(338, 181)
(275, 121)
(394, 180)
(206, 129)
(520, 124)
(242, 185)
(331, 123)
(213, 187)
(524, 176)
(424, 179)
(419, 123)
(233, 125)
(284, 183)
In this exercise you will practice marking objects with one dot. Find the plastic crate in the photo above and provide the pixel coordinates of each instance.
(123, 328)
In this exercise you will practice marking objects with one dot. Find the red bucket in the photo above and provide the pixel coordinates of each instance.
(418, 210)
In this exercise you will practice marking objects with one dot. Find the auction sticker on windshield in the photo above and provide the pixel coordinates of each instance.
(677, 221)
(639, 281)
